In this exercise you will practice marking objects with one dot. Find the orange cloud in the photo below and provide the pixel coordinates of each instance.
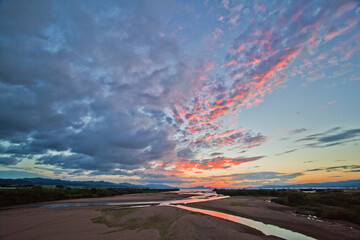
(283, 62)
(217, 135)
(217, 112)
(213, 163)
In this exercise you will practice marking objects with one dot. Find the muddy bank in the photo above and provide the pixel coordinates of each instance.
(161, 222)
(137, 197)
(157, 222)
(261, 209)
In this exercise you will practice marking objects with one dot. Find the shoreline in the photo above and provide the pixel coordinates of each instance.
(282, 216)
(161, 222)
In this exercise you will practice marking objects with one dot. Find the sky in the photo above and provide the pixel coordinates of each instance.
(184, 93)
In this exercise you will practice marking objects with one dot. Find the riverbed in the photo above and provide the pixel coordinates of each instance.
(194, 214)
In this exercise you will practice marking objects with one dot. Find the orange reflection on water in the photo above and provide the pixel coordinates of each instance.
(267, 229)
(211, 213)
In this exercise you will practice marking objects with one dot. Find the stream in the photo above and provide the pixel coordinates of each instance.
(195, 196)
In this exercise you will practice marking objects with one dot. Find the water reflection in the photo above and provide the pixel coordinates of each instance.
(267, 229)
(195, 197)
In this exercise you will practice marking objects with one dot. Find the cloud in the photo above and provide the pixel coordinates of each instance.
(331, 138)
(355, 77)
(216, 154)
(244, 138)
(93, 94)
(252, 179)
(295, 131)
(212, 163)
(9, 160)
(334, 31)
(350, 168)
(340, 136)
(286, 152)
(276, 176)
(259, 58)
(112, 89)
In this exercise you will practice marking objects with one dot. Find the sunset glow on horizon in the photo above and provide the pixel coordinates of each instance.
(184, 93)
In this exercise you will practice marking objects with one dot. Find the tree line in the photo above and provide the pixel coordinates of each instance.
(330, 204)
(25, 195)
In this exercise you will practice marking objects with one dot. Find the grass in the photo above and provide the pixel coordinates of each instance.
(102, 220)
(132, 224)
(113, 219)
(110, 217)
(239, 204)
(159, 223)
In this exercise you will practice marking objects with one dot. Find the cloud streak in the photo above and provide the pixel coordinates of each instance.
(331, 138)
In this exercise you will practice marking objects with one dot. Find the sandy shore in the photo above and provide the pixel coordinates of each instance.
(137, 197)
(149, 223)
(283, 216)
(159, 222)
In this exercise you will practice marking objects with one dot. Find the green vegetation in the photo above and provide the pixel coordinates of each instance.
(115, 218)
(330, 204)
(111, 215)
(102, 220)
(239, 204)
(24, 195)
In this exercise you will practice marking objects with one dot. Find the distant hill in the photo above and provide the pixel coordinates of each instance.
(201, 187)
(59, 182)
(340, 184)
(157, 186)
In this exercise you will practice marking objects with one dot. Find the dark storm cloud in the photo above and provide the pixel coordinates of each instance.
(8, 161)
(84, 86)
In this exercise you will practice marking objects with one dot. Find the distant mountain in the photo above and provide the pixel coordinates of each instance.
(340, 184)
(199, 187)
(59, 182)
(157, 186)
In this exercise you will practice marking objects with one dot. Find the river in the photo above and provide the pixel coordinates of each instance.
(195, 196)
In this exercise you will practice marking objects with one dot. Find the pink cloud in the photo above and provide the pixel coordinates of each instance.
(297, 15)
(345, 8)
(333, 32)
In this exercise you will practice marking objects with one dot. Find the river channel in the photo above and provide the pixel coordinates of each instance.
(195, 196)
